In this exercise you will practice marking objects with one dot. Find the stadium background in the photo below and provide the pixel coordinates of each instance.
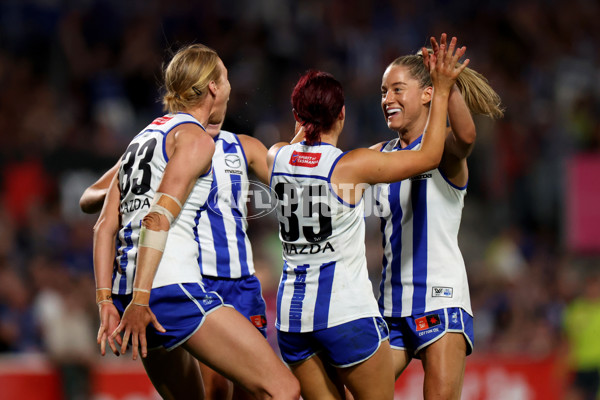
(79, 78)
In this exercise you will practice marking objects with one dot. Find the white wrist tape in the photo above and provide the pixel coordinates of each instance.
(153, 239)
(166, 205)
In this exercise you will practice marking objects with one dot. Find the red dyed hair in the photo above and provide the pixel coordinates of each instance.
(317, 100)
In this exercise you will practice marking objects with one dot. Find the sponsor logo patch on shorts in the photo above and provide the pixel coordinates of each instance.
(303, 159)
(259, 321)
(438, 291)
(427, 322)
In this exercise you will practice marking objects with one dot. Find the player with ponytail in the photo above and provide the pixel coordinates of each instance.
(424, 292)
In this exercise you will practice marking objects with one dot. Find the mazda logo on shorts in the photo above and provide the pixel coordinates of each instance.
(233, 161)
(233, 200)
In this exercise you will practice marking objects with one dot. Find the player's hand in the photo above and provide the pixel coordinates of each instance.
(443, 64)
(109, 320)
(435, 47)
(134, 322)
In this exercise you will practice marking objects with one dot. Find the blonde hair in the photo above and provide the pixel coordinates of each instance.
(479, 96)
(187, 76)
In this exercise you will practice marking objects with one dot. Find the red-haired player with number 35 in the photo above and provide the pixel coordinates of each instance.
(330, 331)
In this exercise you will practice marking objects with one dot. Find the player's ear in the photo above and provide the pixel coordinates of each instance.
(296, 117)
(427, 95)
(212, 88)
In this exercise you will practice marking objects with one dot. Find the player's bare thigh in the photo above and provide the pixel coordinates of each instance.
(175, 374)
(373, 378)
(318, 380)
(400, 360)
(232, 346)
(444, 364)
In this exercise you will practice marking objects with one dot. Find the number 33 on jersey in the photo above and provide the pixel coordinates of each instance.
(142, 167)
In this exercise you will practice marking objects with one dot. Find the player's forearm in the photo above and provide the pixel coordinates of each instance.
(435, 133)
(92, 199)
(153, 239)
(103, 255)
(462, 125)
(299, 133)
(148, 261)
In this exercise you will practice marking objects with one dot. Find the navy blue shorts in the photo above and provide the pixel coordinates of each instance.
(180, 309)
(418, 331)
(342, 346)
(245, 295)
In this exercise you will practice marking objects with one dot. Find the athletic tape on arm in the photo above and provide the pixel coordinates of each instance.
(166, 205)
(153, 239)
(163, 204)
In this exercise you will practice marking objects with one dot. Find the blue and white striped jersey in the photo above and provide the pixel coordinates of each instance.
(423, 268)
(325, 280)
(225, 250)
(140, 173)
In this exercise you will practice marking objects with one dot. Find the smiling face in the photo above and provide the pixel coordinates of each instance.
(217, 114)
(404, 103)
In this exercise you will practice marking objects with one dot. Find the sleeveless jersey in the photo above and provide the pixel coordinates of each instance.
(325, 280)
(423, 268)
(140, 173)
(225, 250)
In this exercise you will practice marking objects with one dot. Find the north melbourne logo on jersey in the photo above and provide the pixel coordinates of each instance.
(303, 159)
(427, 322)
(441, 291)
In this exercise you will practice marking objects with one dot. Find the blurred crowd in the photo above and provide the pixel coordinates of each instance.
(79, 78)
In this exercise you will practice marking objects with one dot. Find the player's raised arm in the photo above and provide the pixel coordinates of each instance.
(256, 153)
(371, 166)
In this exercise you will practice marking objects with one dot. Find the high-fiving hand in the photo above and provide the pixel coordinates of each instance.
(443, 64)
